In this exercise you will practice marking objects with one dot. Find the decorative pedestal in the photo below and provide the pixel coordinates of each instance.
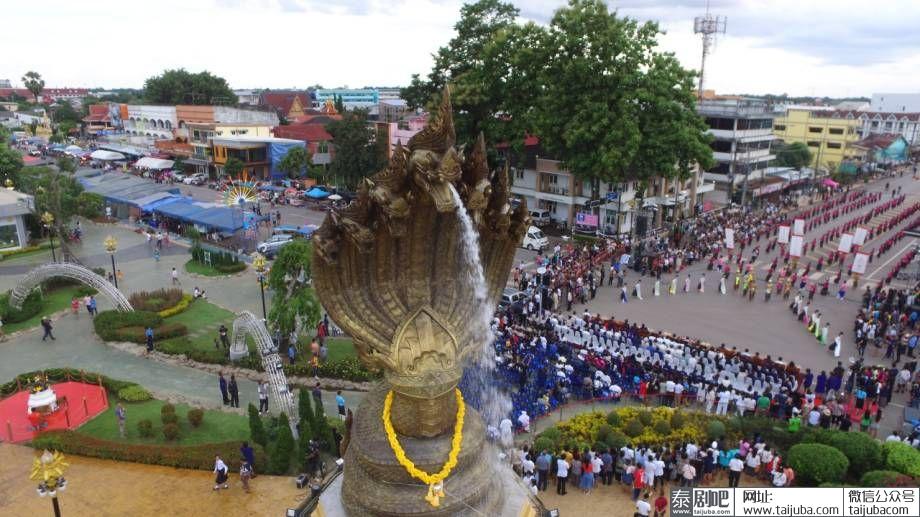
(43, 400)
(375, 484)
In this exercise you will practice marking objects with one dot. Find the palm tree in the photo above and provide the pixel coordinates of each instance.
(34, 83)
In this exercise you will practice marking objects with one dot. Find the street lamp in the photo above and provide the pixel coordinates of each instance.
(111, 246)
(48, 470)
(8, 184)
(48, 221)
(258, 262)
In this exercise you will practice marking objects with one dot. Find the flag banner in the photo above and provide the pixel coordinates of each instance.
(846, 243)
(795, 245)
(783, 235)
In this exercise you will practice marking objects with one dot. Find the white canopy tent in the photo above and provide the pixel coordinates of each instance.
(153, 163)
(106, 156)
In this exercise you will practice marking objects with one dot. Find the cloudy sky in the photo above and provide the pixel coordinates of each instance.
(801, 47)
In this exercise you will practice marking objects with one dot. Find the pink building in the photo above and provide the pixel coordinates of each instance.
(400, 132)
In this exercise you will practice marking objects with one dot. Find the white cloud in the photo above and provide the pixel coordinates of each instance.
(802, 47)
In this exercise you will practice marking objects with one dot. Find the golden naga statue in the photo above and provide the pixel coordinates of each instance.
(390, 269)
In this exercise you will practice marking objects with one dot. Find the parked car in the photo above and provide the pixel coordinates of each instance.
(269, 247)
(534, 239)
(584, 229)
(540, 217)
(510, 297)
(305, 231)
(199, 178)
(178, 176)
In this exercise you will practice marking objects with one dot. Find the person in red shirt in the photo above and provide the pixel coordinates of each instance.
(661, 504)
(638, 482)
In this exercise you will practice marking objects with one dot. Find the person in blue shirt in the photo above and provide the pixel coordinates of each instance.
(340, 402)
(148, 334)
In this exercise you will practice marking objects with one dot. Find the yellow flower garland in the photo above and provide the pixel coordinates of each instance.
(434, 481)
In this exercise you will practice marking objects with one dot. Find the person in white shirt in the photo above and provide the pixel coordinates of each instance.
(893, 437)
(779, 478)
(753, 463)
(643, 507)
(527, 466)
(724, 397)
(562, 474)
(735, 466)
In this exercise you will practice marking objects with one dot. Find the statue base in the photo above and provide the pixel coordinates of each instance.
(375, 484)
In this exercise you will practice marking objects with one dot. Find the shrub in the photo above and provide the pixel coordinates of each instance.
(350, 369)
(863, 451)
(603, 432)
(145, 428)
(617, 440)
(169, 418)
(633, 428)
(715, 430)
(543, 444)
(230, 268)
(662, 427)
(645, 417)
(553, 434)
(282, 448)
(903, 458)
(256, 427)
(613, 418)
(168, 408)
(47, 442)
(182, 306)
(195, 417)
(171, 430)
(135, 393)
(199, 457)
(886, 478)
(31, 306)
(816, 463)
(678, 419)
(138, 334)
(155, 301)
(106, 323)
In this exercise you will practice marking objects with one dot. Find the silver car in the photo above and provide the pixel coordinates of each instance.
(270, 246)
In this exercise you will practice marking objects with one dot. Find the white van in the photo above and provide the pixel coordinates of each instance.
(534, 239)
(540, 217)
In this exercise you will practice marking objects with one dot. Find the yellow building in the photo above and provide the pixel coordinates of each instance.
(830, 140)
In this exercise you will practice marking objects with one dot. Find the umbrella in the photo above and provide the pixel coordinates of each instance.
(317, 193)
(335, 197)
(73, 149)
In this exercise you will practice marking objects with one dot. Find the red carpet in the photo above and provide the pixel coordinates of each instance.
(14, 421)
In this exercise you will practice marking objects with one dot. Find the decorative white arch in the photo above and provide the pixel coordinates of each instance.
(247, 324)
(33, 278)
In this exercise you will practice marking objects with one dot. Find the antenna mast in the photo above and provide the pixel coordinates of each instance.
(707, 25)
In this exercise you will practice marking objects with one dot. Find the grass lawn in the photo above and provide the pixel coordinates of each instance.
(217, 426)
(203, 269)
(340, 348)
(53, 301)
(202, 319)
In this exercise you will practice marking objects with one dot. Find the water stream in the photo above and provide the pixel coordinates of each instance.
(478, 385)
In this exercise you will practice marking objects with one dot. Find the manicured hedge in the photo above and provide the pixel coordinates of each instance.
(182, 306)
(886, 478)
(134, 393)
(900, 457)
(61, 374)
(31, 306)
(350, 369)
(130, 326)
(190, 457)
(230, 268)
(816, 463)
(863, 451)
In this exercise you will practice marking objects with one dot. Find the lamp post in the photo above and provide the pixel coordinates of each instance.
(258, 262)
(8, 184)
(48, 470)
(48, 221)
(111, 246)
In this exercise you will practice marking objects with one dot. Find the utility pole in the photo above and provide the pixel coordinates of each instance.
(707, 25)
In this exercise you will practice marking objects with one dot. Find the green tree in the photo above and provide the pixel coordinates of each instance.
(90, 205)
(339, 104)
(295, 162)
(10, 163)
(295, 305)
(178, 86)
(356, 152)
(795, 155)
(305, 410)
(34, 83)
(460, 63)
(256, 427)
(322, 430)
(66, 164)
(281, 450)
(62, 111)
(233, 167)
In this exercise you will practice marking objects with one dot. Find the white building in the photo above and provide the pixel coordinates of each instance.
(5, 83)
(545, 185)
(895, 102)
(14, 206)
(873, 123)
(248, 97)
(155, 122)
(742, 131)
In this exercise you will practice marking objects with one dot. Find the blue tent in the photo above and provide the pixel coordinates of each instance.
(317, 193)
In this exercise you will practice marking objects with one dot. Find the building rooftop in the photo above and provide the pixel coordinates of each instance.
(878, 141)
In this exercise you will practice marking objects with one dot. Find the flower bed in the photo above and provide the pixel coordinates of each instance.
(130, 326)
(633, 425)
(64, 374)
(156, 301)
